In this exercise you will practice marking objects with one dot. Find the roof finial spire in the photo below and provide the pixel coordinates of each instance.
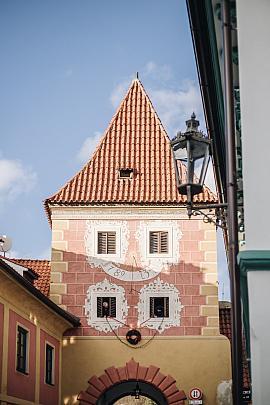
(137, 75)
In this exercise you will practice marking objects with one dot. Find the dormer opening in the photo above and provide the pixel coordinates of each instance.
(126, 173)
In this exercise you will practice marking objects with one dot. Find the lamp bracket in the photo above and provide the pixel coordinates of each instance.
(217, 213)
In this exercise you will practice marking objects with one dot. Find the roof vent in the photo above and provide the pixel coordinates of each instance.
(126, 173)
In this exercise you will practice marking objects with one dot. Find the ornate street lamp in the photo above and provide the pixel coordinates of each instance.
(191, 151)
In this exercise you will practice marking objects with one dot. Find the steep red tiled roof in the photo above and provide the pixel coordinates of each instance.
(135, 139)
(42, 268)
(225, 329)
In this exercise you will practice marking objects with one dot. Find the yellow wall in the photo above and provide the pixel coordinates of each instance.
(193, 361)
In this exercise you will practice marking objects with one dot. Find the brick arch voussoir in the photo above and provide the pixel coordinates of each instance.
(132, 371)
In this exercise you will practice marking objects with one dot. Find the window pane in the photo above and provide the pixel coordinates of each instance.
(21, 349)
(159, 307)
(49, 364)
(106, 306)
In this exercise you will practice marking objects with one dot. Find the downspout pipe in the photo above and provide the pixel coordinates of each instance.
(236, 325)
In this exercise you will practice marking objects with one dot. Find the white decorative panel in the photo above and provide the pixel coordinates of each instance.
(105, 289)
(159, 289)
(90, 239)
(159, 262)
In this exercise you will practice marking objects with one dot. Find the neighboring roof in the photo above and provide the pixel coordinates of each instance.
(9, 270)
(22, 270)
(42, 268)
(135, 139)
(225, 329)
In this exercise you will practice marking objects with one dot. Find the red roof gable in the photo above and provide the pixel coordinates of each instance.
(136, 140)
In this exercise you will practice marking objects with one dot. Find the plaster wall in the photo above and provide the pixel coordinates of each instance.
(190, 265)
(253, 31)
(19, 384)
(258, 290)
(48, 394)
(191, 361)
(20, 307)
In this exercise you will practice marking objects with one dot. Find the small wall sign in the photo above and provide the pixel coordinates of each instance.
(195, 396)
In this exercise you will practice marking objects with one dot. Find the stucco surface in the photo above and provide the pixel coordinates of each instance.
(192, 362)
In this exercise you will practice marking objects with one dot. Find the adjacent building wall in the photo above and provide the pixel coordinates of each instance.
(17, 306)
(254, 66)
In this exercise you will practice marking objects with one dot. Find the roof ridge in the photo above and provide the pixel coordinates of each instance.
(152, 107)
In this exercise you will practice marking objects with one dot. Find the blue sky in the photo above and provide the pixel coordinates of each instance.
(65, 65)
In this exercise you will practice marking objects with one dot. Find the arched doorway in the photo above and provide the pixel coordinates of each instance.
(117, 383)
(134, 390)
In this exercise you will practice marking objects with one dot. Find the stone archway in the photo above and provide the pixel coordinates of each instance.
(132, 371)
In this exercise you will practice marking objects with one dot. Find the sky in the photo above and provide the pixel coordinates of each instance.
(65, 66)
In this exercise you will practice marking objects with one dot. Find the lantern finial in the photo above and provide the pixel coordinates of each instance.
(192, 124)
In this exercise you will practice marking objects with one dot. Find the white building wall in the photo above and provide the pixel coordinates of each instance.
(254, 70)
(254, 75)
(260, 335)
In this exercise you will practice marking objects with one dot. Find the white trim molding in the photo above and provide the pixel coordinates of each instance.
(105, 289)
(159, 289)
(119, 212)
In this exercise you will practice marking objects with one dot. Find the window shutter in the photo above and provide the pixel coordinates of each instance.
(152, 314)
(99, 307)
(106, 242)
(163, 242)
(154, 242)
(166, 306)
(111, 243)
(158, 242)
(112, 307)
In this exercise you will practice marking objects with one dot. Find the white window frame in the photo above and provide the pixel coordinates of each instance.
(106, 289)
(159, 289)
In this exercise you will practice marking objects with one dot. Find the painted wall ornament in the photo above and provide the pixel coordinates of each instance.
(115, 265)
(159, 289)
(105, 289)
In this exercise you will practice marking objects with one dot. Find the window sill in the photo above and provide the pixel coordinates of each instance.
(22, 372)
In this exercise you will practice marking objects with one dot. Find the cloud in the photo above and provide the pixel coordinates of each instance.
(119, 92)
(175, 105)
(157, 72)
(88, 147)
(15, 179)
